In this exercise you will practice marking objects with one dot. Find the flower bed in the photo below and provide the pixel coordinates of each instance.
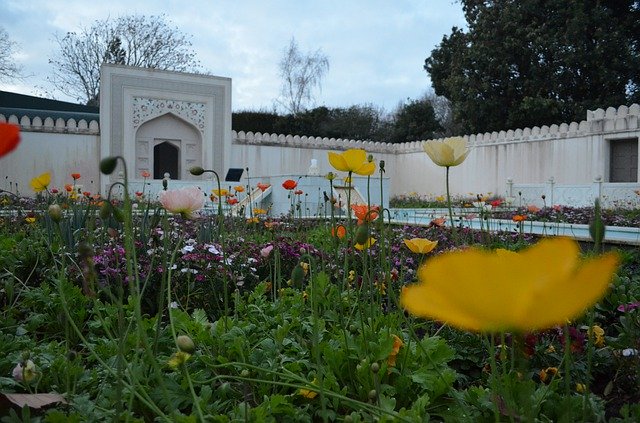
(165, 315)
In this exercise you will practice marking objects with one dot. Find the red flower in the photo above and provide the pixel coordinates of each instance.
(9, 138)
(54, 190)
(86, 194)
(298, 192)
(68, 187)
(263, 187)
(289, 184)
(75, 176)
(139, 193)
(145, 174)
(496, 203)
(232, 200)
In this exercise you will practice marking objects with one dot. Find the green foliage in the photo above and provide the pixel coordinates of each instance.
(537, 62)
(413, 120)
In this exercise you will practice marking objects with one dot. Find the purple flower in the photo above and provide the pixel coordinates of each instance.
(628, 307)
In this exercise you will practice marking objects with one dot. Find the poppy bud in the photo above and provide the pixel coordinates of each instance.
(55, 212)
(118, 214)
(165, 184)
(196, 170)
(362, 234)
(186, 344)
(108, 165)
(297, 274)
(105, 210)
(381, 165)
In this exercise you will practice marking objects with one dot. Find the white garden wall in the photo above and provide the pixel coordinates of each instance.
(573, 156)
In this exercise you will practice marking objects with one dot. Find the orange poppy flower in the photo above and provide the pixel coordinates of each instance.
(298, 192)
(263, 187)
(533, 209)
(364, 214)
(339, 231)
(238, 188)
(289, 184)
(68, 187)
(439, 221)
(232, 200)
(75, 176)
(519, 218)
(9, 138)
(145, 174)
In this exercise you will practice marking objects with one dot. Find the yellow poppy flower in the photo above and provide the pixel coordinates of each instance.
(449, 152)
(368, 243)
(397, 343)
(535, 289)
(420, 245)
(220, 192)
(353, 160)
(307, 393)
(177, 359)
(597, 333)
(40, 183)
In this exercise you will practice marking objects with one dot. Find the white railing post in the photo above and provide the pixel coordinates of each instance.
(550, 189)
(596, 189)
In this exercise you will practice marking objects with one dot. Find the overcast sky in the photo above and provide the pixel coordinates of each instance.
(376, 48)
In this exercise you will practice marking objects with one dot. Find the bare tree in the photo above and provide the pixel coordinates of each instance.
(300, 75)
(144, 41)
(8, 68)
(444, 114)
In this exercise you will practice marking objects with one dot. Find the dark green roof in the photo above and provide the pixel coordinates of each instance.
(27, 105)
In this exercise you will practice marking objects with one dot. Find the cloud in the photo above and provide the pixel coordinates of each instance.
(376, 48)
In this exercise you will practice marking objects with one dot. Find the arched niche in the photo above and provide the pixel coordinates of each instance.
(168, 142)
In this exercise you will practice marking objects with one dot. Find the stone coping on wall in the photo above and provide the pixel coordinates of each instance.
(48, 124)
(612, 120)
(599, 121)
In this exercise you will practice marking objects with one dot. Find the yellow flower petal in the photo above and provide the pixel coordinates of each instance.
(353, 160)
(538, 288)
(338, 162)
(366, 169)
(449, 152)
(420, 245)
(40, 183)
(368, 243)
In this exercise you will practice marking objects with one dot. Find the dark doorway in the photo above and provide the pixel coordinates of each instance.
(166, 159)
(624, 160)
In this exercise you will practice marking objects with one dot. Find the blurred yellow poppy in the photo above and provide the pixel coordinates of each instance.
(420, 245)
(307, 393)
(368, 243)
(40, 183)
(447, 153)
(538, 288)
(219, 192)
(353, 160)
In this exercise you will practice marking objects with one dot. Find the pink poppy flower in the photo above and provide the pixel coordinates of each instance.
(185, 201)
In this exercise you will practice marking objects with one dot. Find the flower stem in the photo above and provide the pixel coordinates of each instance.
(453, 226)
